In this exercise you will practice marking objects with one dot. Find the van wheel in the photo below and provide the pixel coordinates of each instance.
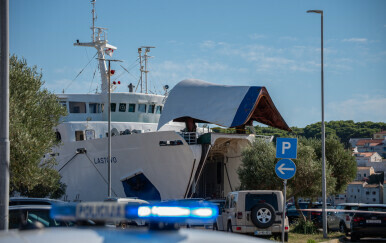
(263, 215)
(229, 227)
(286, 237)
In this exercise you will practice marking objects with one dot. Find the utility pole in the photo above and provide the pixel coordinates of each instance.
(4, 114)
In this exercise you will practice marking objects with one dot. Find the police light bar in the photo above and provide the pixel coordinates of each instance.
(181, 211)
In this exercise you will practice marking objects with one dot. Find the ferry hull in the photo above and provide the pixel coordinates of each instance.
(168, 167)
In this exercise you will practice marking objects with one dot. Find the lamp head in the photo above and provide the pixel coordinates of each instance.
(315, 11)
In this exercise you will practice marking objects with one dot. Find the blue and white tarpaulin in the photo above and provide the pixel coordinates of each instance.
(224, 105)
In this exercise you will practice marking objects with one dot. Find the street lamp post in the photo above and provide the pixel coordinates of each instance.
(109, 127)
(323, 132)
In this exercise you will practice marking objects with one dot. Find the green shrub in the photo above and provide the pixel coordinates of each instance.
(311, 241)
(304, 227)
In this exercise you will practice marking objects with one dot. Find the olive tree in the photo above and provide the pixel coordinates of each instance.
(34, 111)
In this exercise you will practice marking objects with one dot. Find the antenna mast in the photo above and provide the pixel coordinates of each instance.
(146, 57)
(93, 20)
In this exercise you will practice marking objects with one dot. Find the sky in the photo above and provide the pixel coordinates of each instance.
(275, 44)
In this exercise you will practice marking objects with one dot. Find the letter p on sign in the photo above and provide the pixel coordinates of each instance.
(286, 148)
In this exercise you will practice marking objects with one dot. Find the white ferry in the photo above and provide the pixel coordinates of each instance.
(157, 151)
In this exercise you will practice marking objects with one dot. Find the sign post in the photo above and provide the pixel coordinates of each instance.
(286, 148)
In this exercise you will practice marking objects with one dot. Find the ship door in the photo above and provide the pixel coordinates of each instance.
(211, 181)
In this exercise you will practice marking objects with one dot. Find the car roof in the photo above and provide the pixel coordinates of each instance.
(373, 205)
(32, 200)
(107, 235)
(29, 207)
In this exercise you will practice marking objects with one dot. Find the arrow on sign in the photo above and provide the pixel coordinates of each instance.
(280, 169)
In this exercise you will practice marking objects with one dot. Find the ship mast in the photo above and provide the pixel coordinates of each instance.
(145, 59)
(99, 42)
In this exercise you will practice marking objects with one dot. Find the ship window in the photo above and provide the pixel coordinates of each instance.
(113, 107)
(79, 135)
(151, 108)
(63, 103)
(142, 108)
(94, 108)
(159, 110)
(131, 107)
(77, 107)
(58, 136)
(122, 107)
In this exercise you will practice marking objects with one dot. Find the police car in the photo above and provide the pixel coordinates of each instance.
(163, 219)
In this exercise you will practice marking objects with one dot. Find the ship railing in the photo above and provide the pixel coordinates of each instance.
(190, 137)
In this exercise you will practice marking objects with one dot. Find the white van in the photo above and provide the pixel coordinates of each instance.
(257, 212)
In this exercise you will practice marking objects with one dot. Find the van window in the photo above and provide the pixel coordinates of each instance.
(227, 202)
(252, 199)
(77, 107)
(233, 203)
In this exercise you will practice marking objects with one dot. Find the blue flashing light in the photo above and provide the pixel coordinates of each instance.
(63, 211)
(181, 211)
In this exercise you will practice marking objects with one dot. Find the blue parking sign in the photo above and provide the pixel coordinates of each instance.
(286, 148)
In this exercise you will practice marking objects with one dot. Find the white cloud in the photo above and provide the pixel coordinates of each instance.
(256, 36)
(359, 108)
(356, 40)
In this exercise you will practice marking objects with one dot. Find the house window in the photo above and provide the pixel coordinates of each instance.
(159, 110)
(151, 108)
(364, 175)
(94, 108)
(122, 107)
(77, 107)
(374, 193)
(113, 107)
(374, 199)
(367, 193)
(142, 108)
(131, 107)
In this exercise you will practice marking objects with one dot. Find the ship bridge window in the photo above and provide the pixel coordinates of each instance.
(113, 107)
(131, 107)
(151, 108)
(79, 135)
(63, 103)
(77, 107)
(122, 107)
(94, 108)
(159, 110)
(142, 108)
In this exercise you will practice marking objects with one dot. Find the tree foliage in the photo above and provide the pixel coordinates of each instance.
(34, 111)
(344, 130)
(258, 168)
